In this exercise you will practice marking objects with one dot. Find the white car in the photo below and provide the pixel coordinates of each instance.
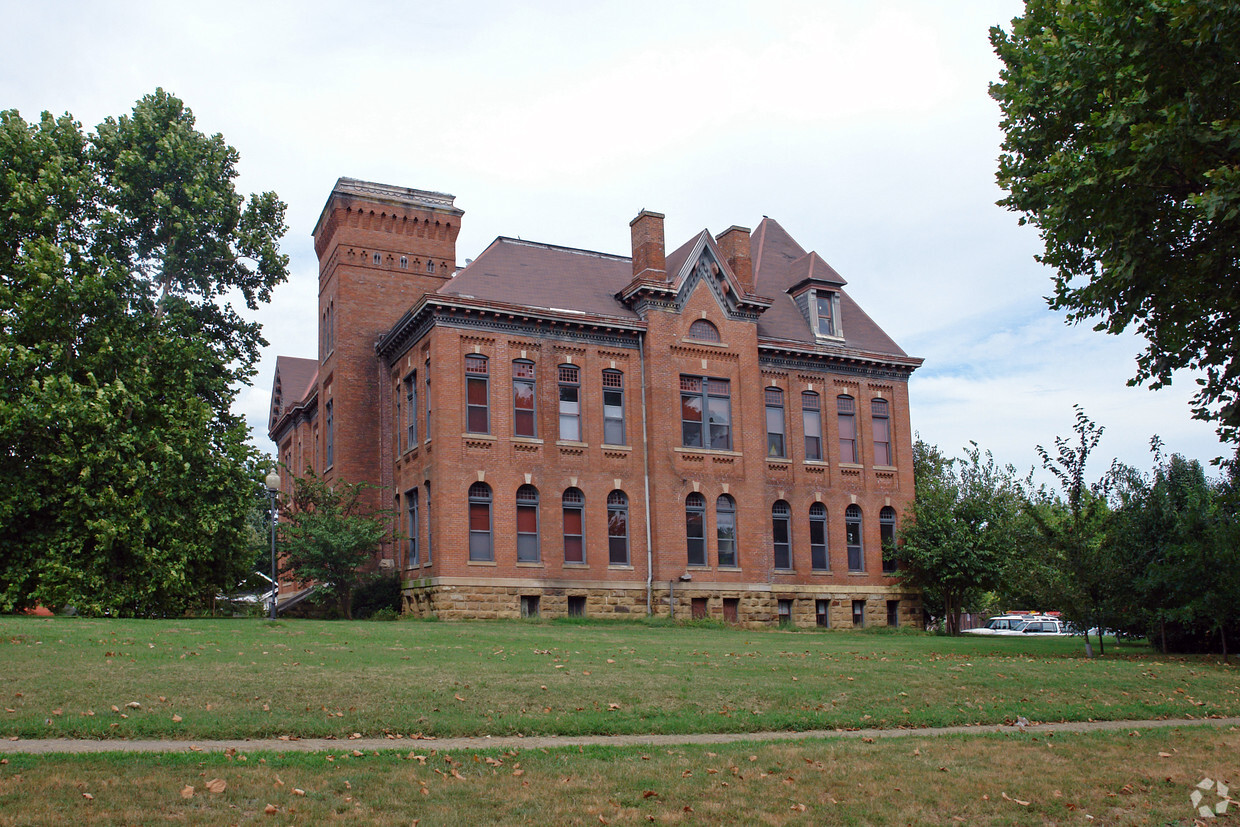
(1038, 626)
(1003, 624)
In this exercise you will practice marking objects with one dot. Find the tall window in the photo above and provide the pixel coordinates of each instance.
(825, 304)
(847, 410)
(775, 423)
(481, 544)
(781, 532)
(411, 506)
(411, 410)
(706, 413)
(852, 534)
(429, 524)
(527, 525)
(703, 331)
(617, 528)
(887, 533)
(524, 421)
(613, 407)
(818, 559)
(570, 403)
(881, 431)
(725, 530)
(329, 445)
(477, 396)
(427, 373)
(695, 528)
(811, 422)
(574, 540)
(430, 266)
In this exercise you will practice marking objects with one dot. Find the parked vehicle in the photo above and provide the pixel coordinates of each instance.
(995, 625)
(1039, 626)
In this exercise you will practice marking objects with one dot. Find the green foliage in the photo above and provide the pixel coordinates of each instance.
(329, 533)
(377, 594)
(126, 479)
(962, 529)
(1123, 147)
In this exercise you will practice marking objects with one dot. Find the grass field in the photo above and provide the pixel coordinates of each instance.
(1115, 778)
(247, 678)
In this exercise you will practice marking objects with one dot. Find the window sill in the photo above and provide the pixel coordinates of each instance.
(530, 564)
(729, 568)
(783, 571)
(619, 567)
(829, 337)
(817, 463)
(527, 440)
(885, 468)
(480, 563)
(471, 435)
(856, 465)
(685, 449)
(703, 342)
(610, 447)
(575, 565)
(569, 443)
(779, 460)
(861, 573)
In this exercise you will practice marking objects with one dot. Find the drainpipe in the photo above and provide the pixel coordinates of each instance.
(641, 344)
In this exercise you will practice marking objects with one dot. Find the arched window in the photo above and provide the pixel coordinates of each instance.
(818, 559)
(574, 534)
(781, 533)
(527, 525)
(852, 533)
(481, 545)
(695, 528)
(811, 422)
(617, 528)
(775, 423)
(430, 266)
(703, 331)
(378, 258)
(524, 420)
(613, 407)
(887, 533)
(846, 407)
(477, 395)
(725, 530)
(881, 431)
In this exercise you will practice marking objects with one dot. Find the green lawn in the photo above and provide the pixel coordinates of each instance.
(1111, 778)
(248, 678)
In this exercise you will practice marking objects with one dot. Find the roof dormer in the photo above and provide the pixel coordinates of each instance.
(817, 296)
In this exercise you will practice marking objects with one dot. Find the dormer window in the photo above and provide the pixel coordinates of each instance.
(827, 314)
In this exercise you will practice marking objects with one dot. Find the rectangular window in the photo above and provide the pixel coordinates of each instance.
(882, 431)
(826, 305)
(617, 529)
(480, 543)
(428, 521)
(428, 398)
(570, 403)
(329, 446)
(527, 525)
(529, 605)
(574, 533)
(811, 421)
(477, 396)
(818, 538)
(411, 504)
(576, 605)
(858, 613)
(613, 407)
(822, 613)
(781, 535)
(785, 612)
(411, 410)
(848, 428)
(893, 613)
(775, 423)
(706, 413)
(695, 529)
(852, 538)
(725, 530)
(524, 421)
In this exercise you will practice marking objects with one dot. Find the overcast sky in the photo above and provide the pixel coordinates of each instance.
(865, 129)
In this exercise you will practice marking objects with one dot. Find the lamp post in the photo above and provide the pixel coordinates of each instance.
(273, 485)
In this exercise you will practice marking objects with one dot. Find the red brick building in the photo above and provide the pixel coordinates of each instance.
(716, 431)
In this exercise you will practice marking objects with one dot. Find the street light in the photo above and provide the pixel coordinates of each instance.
(273, 485)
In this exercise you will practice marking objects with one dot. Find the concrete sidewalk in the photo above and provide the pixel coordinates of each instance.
(66, 745)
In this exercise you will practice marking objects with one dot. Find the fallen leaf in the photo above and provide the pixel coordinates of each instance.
(187, 791)
(271, 809)
(1164, 755)
(649, 794)
(518, 772)
(176, 719)
(115, 708)
(800, 808)
(459, 698)
(217, 785)
(133, 705)
(457, 775)
(298, 791)
(1007, 797)
(88, 796)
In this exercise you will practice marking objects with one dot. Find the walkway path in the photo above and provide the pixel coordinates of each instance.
(65, 745)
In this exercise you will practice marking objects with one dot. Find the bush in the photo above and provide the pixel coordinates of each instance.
(380, 592)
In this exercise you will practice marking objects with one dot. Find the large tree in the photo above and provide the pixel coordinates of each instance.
(1123, 147)
(962, 528)
(125, 479)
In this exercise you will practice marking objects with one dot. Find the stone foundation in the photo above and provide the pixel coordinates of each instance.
(754, 607)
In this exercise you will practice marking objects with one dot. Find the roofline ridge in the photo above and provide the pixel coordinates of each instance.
(547, 246)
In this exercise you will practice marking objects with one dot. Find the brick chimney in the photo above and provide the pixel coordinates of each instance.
(734, 244)
(649, 254)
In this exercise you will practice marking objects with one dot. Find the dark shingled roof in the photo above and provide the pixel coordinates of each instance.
(779, 263)
(545, 276)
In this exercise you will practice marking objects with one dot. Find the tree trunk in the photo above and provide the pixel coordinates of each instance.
(1162, 631)
(1102, 646)
(1089, 649)
(1222, 633)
